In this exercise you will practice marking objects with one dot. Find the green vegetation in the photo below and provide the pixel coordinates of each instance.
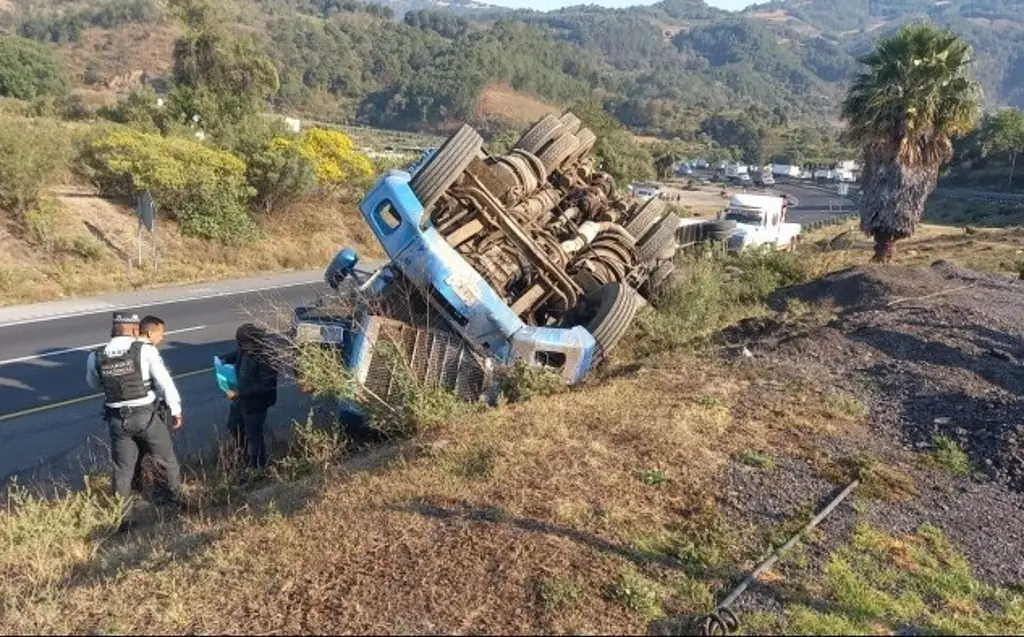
(1002, 133)
(29, 70)
(757, 459)
(881, 583)
(33, 154)
(903, 113)
(951, 456)
(204, 188)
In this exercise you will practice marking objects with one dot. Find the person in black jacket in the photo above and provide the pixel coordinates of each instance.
(256, 393)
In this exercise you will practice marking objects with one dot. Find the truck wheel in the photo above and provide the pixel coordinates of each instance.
(660, 276)
(646, 216)
(719, 235)
(570, 122)
(660, 237)
(557, 152)
(541, 133)
(587, 140)
(606, 312)
(447, 165)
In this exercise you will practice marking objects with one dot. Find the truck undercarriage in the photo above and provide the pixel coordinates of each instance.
(530, 256)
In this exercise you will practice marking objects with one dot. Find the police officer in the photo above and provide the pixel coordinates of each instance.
(130, 371)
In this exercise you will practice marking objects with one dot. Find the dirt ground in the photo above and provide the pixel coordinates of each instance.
(934, 355)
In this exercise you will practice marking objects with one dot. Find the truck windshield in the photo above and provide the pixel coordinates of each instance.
(743, 216)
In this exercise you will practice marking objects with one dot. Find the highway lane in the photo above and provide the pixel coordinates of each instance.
(42, 367)
(815, 203)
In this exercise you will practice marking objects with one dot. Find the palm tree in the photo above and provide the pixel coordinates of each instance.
(903, 113)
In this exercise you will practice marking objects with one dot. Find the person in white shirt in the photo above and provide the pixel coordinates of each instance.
(130, 372)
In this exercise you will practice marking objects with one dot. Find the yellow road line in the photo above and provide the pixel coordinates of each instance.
(81, 399)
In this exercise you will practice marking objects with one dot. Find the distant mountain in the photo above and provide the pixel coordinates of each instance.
(995, 28)
(662, 69)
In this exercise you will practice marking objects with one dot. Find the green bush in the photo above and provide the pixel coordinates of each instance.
(138, 110)
(29, 69)
(204, 188)
(33, 153)
(67, 107)
(275, 168)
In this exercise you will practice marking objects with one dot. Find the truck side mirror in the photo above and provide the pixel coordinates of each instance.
(341, 267)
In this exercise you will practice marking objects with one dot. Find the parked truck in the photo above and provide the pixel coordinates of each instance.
(758, 220)
(532, 256)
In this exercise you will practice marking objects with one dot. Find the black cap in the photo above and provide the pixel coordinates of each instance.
(126, 318)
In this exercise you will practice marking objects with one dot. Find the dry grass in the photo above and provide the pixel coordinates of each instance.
(530, 518)
(120, 51)
(519, 110)
(998, 250)
(94, 249)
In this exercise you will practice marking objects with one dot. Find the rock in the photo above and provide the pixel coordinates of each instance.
(941, 421)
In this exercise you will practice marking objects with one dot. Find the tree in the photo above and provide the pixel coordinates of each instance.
(29, 70)
(218, 77)
(617, 152)
(1003, 133)
(902, 113)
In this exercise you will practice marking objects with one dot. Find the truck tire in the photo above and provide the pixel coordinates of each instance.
(447, 165)
(587, 139)
(645, 217)
(607, 313)
(570, 123)
(721, 235)
(540, 134)
(659, 238)
(557, 152)
(660, 277)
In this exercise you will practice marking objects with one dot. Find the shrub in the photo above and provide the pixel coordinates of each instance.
(204, 188)
(275, 168)
(41, 224)
(33, 153)
(67, 107)
(29, 69)
(334, 158)
(138, 110)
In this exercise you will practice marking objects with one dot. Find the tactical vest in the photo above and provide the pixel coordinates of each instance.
(121, 376)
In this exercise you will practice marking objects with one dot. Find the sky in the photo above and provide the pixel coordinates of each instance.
(547, 5)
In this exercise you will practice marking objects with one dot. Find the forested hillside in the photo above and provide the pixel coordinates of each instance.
(663, 70)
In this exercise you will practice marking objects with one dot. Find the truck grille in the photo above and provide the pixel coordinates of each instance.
(432, 358)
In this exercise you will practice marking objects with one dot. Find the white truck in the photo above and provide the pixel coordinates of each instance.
(735, 171)
(760, 221)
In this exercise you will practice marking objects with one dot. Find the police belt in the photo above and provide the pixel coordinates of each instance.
(126, 411)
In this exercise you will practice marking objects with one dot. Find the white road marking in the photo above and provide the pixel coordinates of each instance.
(82, 348)
(185, 299)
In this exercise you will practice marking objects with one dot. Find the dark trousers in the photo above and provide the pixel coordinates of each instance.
(135, 433)
(245, 424)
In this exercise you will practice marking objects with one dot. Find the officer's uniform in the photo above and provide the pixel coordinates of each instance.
(128, 370)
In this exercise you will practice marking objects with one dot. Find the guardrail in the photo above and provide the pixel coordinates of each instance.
(825, 223)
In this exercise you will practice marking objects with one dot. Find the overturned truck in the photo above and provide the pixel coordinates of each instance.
(530, 256)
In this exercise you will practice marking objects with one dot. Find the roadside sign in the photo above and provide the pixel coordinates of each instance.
(844, 189)
(146, 208)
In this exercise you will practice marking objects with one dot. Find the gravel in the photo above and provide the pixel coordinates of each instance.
(930, 351)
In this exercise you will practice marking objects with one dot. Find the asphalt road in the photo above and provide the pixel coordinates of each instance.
(50, 423)
(814, 203)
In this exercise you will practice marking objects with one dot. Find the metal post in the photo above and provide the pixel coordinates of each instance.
(156, 258)
(140, 242)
